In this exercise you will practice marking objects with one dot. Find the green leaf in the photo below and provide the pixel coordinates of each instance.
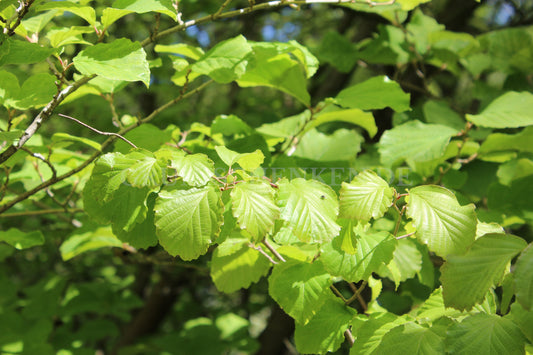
(143, 234)
(512, 109)
(254, 207)
(439, 112)
(65, 137)
(188, 221)
(405, 264)
(235, 265)
(109, 172)
(441, 223)
(325, 331)
(371, 333)
(63, 36)
(230, 125)
(353, 116)
(343, 144)
(411, 338)
(408, 5)
(310, 208)
(276, 70)
(77, 244)
(110, 15)
(21, 240)
(226, 61)
(523, 319)
(485, 334)
(367, 196)
(248, 161)
(433, 308)
(143, 6)
(85, 12)
(337, 50)
(121, 59)
(523, 278)
(299, 288)
(501, 142)
(415, 142)
(467, 278)
(195, 169)
(372, 251)
(23, 52)
(181, 49)
(374, 94)
(145, 169)
(36, 91)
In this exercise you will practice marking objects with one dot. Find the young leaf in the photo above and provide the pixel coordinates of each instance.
(145, 170)
(367, 196)
(187, 221)
(414, 141)
(85, 12)
(512, 109)
(235, 265)
(467, 278)
(195, 169)
(343, 144)
(121, 59)
(411, 338)
(523, 278)
(325, 331)
(310, 209)
(374, 94)
(441, 223)
(254, 207)
(248, 161)
(299, 288)
(485, 334)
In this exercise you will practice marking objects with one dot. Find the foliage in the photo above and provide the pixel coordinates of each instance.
(161, 192)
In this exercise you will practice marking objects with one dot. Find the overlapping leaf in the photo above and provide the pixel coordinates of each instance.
(187, 221)
(512, 109)
(366, 196)
(467, 278)
(195, 169)
(310, 209)
(441, 223)
(254, 207)
(411, 338)
(523, 278)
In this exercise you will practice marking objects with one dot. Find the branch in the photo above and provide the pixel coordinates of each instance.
(45, 113)
(40, 212)
(274, 251)
(21, 12)
(97, 131)
(259, 249)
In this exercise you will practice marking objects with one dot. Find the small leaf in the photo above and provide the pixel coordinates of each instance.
(467, 278)
(441, 223)
(236, 265)
(143, 6)
(374, 94)
(110, 15)
(248, 161)
(353, 116)
(485, 334)
(145, 169)
(310, 209)
(254, 207)
(299, 288)
(512, 109)
(325, 331)
(21, 240)
(415, 142)
(523, 278)
(188, 221)
(85, 12)
(121, 59)
(77, 244)
(343, 144)
(367, 196)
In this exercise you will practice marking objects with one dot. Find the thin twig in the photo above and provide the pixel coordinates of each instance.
(40, 212)
(25, 7)
(259, 249)
(274, 251)
(98, 131)
(405, 235)
(348, 335)
(338, 293)
(356, 292)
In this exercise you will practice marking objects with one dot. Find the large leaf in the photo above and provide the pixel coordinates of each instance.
(310, 209)
(523, 278)
(485, 334)
(299, 288)
(415, 142)
(441, 223)
(143, 234)
(371, 333)
(254, 207)
(325, 331)
(36, 91)
(235, 265)
(85, 12)
(21, 240)
(366, 196)
(188, 221)
(467, 278)
(372, 250)
(411, 338)
(512, 109)
(121, 59)
(226, 61)
(22, 52)
(374, 94)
